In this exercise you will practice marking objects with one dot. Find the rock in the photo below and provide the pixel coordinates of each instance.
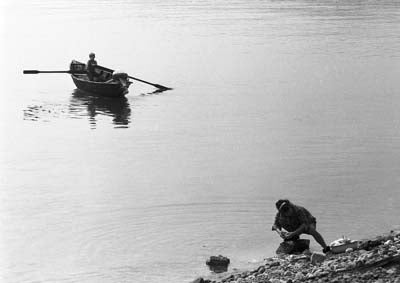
(261, 269)
(299, 276)
(218, 260)
(292, 247)
(275, 263)
(288, 274)
(218, 264)
(367, 275)
(390, 271)
(349, 250)
(388, 242)
(317, 258)
(199, 280)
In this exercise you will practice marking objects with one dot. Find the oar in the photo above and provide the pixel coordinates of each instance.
(47, 72)
(161, 87)
(51, 72)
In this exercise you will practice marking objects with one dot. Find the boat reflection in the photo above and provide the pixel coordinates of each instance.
(98, 107)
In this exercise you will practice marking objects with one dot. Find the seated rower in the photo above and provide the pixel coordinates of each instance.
(90, 66)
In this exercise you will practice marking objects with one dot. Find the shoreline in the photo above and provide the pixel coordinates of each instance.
(376, 260)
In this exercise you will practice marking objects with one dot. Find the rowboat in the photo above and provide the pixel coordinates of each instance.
(105, 81)
(102, 82)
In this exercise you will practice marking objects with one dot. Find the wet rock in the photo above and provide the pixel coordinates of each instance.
(218, 264)
(218, 260)
(292, 247)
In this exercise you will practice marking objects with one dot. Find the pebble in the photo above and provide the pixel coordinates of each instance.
(390, 271)
(299, 276)
(288, 274)
(367, 275)
(388, 242)
(276, 263)
(317, 258)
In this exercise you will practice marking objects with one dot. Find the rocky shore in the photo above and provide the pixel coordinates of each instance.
(376, 260)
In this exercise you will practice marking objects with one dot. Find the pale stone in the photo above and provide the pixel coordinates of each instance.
(388, 242)
(299, 276)
(390, 271)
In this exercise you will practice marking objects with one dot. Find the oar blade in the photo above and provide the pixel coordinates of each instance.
(161, 87)
(31, 72)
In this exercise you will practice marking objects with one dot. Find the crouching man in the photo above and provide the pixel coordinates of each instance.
(296, 220)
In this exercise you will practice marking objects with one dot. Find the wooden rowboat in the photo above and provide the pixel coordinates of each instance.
(105, 82)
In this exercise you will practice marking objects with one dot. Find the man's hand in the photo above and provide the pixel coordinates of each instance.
(289, 235)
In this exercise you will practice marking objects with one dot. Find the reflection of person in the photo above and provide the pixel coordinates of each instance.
(296, 220)
(90, 66)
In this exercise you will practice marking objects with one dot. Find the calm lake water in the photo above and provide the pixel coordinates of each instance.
(271, 99)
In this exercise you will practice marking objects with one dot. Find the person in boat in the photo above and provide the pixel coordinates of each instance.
(296, 220)
(90, 66)
(119, 77)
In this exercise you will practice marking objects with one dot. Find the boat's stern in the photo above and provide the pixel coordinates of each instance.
(77, 67)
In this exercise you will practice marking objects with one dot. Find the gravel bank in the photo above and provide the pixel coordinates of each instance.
(377, 260)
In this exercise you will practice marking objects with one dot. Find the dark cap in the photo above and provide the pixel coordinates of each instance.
(282, 204)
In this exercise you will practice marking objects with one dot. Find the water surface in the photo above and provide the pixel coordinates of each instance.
(271, 99)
